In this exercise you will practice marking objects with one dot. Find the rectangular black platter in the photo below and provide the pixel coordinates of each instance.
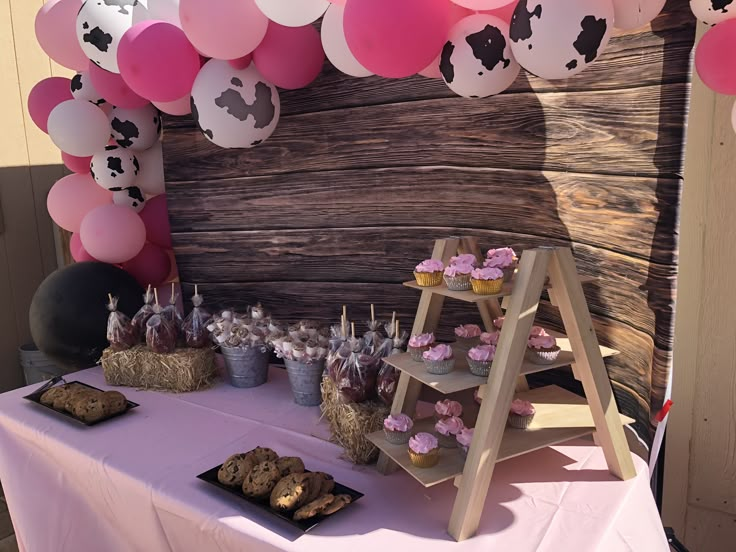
(36, 398)
(306, 525)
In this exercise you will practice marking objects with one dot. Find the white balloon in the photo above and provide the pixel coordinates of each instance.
(79, 128)
(157, 10)
(130, 197)
(151, 175)
(83, 89)
(114, 168)
(293, 13)
(336, 47)
(476, 61)
(100, 26)
(632, 14)
(556, 40)
(234, 108)
(713, 11)
(137, 129)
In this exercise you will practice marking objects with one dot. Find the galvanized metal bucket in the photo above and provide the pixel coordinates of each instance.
(305, 381)
(246, 367)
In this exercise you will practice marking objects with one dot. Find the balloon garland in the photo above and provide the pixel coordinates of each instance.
(224, 61)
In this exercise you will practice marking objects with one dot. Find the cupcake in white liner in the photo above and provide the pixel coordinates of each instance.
(429, 273)
(521, 414)
(541, 348)
(418, 344)
(467, 336)
(464, 438)
(447, 409)
(480, 359)
(439, 360)
(447, 429)
(397, 428)
(487, 280)
(465, 258)
(503, 258)
(457, 277)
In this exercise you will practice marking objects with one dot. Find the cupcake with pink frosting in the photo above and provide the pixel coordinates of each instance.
(498, 322)
(467, 336)
(418, 344)
(397, 428)
(541, 348)
(447, 409)
(464, 438)
(465, 258)
(490, 338)
(429, 273)
(457, 276)
(447, 429)
(439, 360)
(424, 450)
(487, 280)
(521, 414)
(504, 258)
(480, 359)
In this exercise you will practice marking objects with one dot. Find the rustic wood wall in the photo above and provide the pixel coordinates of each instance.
(362, 175)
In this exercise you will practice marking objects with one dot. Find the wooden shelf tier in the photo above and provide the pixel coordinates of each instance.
(469, 296)
(461, 378)
(561, 416)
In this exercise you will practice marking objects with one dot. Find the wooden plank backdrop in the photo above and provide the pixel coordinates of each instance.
(363, 174)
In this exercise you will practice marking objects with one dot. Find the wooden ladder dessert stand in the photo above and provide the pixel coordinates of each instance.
(561, 415)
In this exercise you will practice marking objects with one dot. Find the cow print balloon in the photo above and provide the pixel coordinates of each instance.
(476, 61)
(556, 40)
(129, 197)
(234, 108)
(83, 89)
(713, 11)
(114, 168)
(100, 26)
(136, 129)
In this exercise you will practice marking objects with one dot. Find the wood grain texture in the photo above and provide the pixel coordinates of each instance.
(380, 168)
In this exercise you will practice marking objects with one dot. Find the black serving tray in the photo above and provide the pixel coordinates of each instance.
(35, 397)
(306, 525)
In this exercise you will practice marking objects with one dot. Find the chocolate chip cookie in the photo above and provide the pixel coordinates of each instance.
(314, 508)
(50, 397)
(339, 503)
(90, 409)
(234, 470)
(288, 492)
(115, 401)
(328, 483)
(290, 464)
(263, 454)
(261, 480)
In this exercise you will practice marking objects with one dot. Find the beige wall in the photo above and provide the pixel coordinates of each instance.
(29, 165)
(700, 470)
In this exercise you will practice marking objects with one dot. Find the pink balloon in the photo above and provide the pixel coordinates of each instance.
(241, 63)
(45, 96)
(56, 32)
(72, 197)
(157, 61)
(223, 29)
(155, 216)
(715, 58)
(113, 88)
(290, 57)
(182, 106)
(478, 5)
(151, 266)
(396, 39)
(76, 164)
(79, 253)
(113, 233)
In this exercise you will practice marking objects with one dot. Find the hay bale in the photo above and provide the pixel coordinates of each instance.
(181, 371)
(351, 422)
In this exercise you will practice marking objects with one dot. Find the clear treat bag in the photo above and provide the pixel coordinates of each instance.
(388, 376)
(160, 334)
(171, 313)
(194, 326)
(119, 330)
(138, 322)
(356, 379)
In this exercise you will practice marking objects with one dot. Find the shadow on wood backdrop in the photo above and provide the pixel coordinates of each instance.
(363, 174)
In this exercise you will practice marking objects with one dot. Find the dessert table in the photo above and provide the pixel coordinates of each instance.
(130, 484)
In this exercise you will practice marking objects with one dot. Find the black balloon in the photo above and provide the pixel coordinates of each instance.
(68, 314)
